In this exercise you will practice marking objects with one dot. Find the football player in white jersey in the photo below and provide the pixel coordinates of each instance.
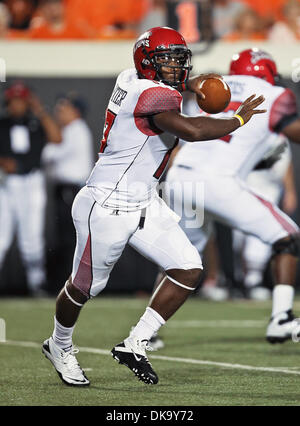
(119, 204)
(273, 177)
(223, 165)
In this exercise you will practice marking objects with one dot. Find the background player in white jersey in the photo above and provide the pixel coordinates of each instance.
(273, 179)
(224, 166)
(248, 274)
(119, 204)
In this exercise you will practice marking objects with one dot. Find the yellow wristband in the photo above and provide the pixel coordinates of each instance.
(241, 120)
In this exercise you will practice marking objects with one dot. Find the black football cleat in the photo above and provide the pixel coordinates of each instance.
(132, 353)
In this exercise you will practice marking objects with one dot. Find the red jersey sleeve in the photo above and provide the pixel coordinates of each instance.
(283, 111)
(154, 101)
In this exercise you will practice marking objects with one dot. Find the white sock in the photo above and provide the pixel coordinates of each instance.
(253, 278)
(36, 276)
(283, 297)
(62, 336)
(148, 325)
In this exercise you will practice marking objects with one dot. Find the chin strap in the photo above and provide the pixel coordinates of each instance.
(182, 87)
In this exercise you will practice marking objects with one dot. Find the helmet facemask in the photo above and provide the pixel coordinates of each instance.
(172, 65)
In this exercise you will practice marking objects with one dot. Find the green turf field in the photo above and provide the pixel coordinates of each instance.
(215, 354)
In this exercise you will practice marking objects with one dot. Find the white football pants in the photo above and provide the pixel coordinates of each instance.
(256, 253)
(228, 200)
(22, 212)
(102, 235)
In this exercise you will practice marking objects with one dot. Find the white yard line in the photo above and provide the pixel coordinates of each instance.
(171, 359)
(217, 323)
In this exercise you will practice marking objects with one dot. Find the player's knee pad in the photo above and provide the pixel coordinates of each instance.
(289, 245)
(72, 298)
(179, 284)
(193, 278)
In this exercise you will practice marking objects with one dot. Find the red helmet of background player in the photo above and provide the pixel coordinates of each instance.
(17, 90)
(163, 43)
(254, 62)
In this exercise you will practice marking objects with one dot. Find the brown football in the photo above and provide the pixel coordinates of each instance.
(217, 95)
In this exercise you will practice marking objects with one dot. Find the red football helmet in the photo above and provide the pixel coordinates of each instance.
(254, 62)
(161, 44)
(17, 90)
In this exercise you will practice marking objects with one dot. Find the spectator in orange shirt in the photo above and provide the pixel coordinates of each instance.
(21, 12)
(287, 30)
(248, 26)
(89, 16)
(270, 9)
(5, 19)
(52, 23)
(130, 11)
(112, 19)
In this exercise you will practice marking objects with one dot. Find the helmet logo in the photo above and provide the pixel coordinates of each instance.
(144, 42)
(257, 55)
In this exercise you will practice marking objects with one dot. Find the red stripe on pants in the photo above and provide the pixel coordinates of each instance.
(83, 278)
(283, 222)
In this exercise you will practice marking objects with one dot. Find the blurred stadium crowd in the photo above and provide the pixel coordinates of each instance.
(276, 20)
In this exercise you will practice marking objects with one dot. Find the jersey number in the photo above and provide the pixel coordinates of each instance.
(109, 121)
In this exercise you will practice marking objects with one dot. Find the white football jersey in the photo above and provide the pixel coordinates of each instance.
(239, 152)
(132, 155)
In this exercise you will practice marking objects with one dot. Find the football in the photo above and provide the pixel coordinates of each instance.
(217, 95)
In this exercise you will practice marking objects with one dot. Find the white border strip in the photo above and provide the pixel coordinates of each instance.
(2, 331)
(89, 58)
(217, 323)
(172, 359)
